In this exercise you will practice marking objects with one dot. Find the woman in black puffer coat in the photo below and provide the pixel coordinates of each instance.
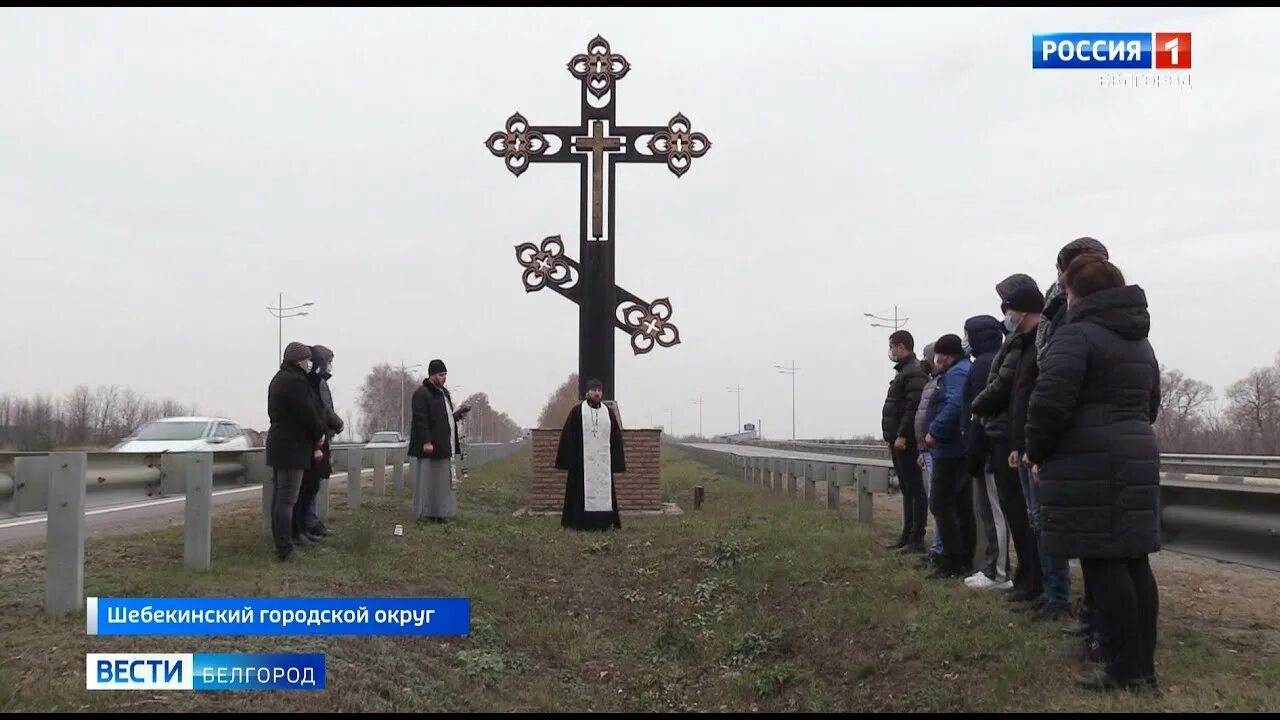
(1093, 450)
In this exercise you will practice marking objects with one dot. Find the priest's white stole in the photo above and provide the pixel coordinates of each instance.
(597, 464)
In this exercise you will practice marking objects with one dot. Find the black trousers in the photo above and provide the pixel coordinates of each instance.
(915, 503)
(306, 495)
(952, 505)
(285, 487)
(1127, 601)
(1029, 576)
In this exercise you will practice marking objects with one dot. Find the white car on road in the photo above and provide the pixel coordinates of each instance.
(186, 434)
(387, 439)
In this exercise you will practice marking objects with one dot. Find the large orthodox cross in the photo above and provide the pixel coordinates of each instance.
(597, 144)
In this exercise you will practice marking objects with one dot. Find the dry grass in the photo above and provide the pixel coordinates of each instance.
(756, 602)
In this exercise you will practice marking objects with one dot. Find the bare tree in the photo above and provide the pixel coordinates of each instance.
(485, 425)
(79, 417)
(559, 404)
(1255, 409)
(384, 392)
(1182, 407)
(105, 430)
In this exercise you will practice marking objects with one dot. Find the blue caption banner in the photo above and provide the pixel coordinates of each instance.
(277, 616)
(204, 671)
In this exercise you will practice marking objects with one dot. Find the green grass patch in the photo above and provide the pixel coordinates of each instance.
(755, 602)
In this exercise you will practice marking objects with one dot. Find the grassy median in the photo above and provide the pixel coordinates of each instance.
(755, 602)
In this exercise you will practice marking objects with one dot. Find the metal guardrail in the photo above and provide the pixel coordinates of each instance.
(1233, 518)
(114, 478)
(62, 483)
(1224, 466)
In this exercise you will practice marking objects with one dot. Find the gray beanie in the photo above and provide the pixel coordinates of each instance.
(1079, 247)
(296, 352)
(928, 354)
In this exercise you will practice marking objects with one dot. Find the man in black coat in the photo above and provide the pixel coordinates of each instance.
(1093, 450)
(293, 440)
(1019, 296)
(433, 445)
(898, 425)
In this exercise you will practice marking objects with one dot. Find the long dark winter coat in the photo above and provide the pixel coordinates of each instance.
(1089, 428)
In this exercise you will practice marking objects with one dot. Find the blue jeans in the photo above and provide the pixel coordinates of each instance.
(936, 549)
(1057, 570)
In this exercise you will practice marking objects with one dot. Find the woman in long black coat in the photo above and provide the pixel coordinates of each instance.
(1094, 452)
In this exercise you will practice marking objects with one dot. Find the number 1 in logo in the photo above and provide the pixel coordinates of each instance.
(1173, 51)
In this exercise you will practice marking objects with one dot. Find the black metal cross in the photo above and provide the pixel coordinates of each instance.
(602, 306)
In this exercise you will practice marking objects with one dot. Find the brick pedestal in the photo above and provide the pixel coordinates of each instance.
(638, 489)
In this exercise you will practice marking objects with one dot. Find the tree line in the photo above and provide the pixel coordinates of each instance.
(385, 404)
(84, 418)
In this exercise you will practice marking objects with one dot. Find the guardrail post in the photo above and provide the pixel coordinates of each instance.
(64, 533)
(833, 487)
(865, 494)
(380, 471)
(397, 471)
(355, 470)
(197, 526)
(845, 478)
(810, 483)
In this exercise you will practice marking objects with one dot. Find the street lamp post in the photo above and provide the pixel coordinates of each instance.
(280, 312)
(791, 370)
(737, 389)
(895, 322)
(698, 402)
(404, 375)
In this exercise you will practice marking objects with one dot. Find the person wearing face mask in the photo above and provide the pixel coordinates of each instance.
(294, 440)
(1018, 294)
(897, 424)
(948, 421)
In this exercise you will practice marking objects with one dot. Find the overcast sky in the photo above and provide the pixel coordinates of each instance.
(164, 174)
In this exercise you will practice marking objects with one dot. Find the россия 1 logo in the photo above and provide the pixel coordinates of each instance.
(1111, 51)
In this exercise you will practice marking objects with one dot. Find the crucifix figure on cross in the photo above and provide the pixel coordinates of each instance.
(597, 144)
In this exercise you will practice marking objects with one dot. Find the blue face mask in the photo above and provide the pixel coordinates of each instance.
(1009, 324)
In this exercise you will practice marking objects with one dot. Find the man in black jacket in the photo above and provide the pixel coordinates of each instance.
(898, 425)
(293, 440)
(1019, 296)
(433, 444)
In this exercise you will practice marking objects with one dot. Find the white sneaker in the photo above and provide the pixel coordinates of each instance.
(982, 582)
(969, 581)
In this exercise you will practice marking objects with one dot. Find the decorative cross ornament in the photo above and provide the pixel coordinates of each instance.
(597, 144)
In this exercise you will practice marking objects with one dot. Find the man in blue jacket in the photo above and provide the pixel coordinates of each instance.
(952, 499)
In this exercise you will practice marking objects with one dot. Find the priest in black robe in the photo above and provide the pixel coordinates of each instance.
(591, 453)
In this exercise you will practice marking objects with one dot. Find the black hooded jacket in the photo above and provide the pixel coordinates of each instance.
(1089, 428)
